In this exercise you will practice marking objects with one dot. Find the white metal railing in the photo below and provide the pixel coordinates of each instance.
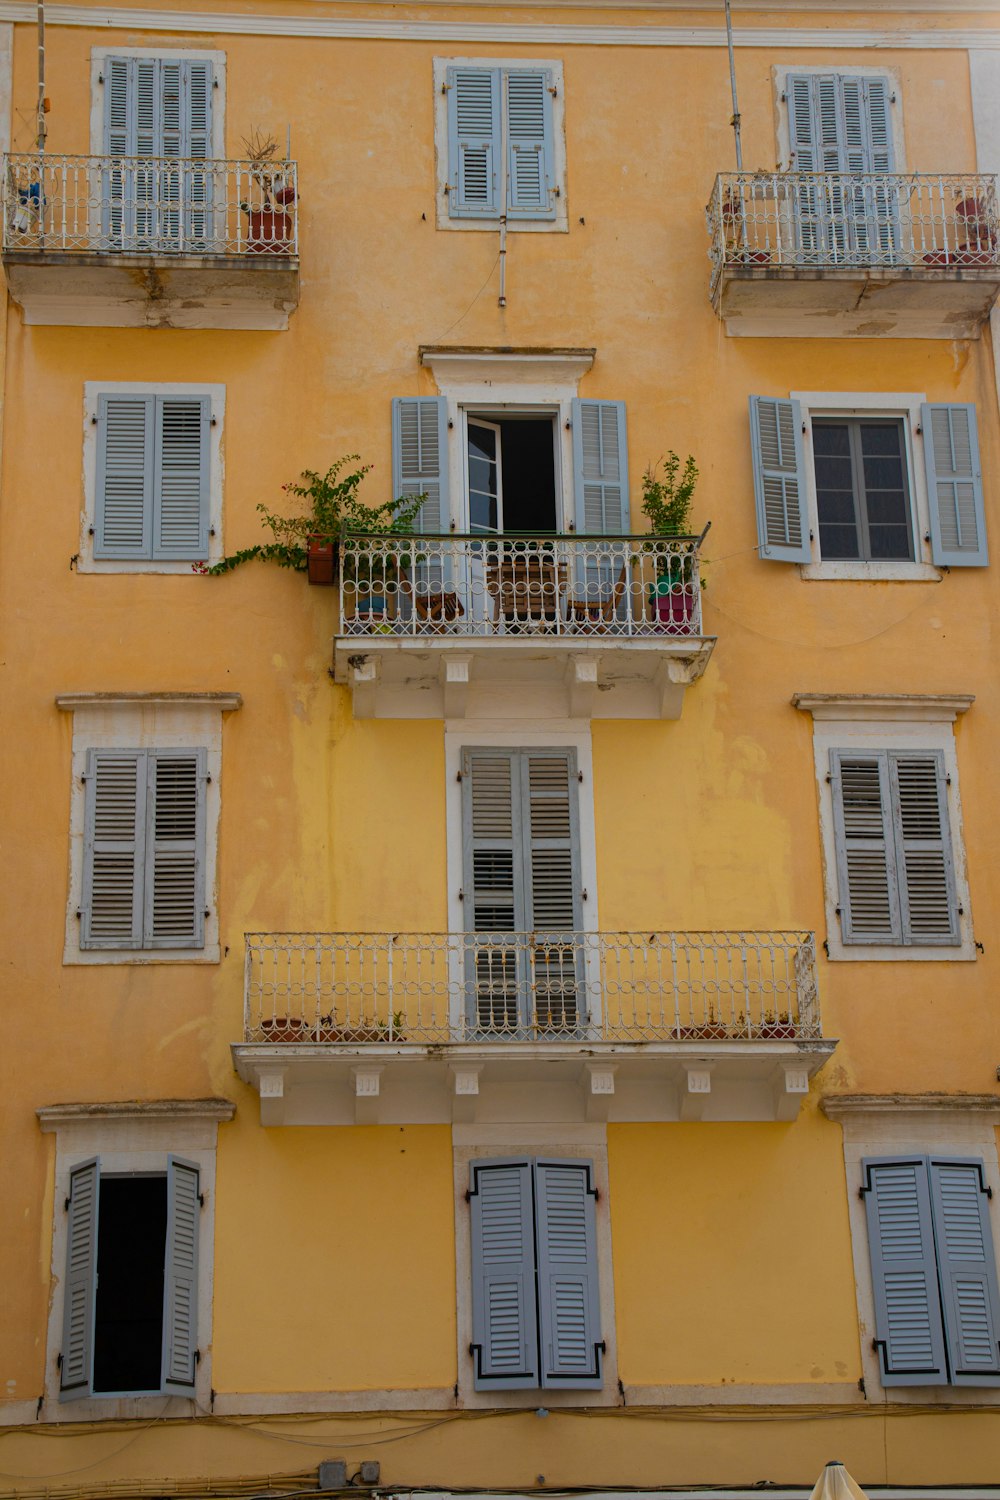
(377, 988)
(848, 219)
(149, 205)
(490, 585)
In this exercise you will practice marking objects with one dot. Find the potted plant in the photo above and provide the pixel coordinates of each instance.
(269, 225)
(352, 1036)
(710, 1030)
(310, 541)
(283, 1029)
(779, 1028)
(666, 501)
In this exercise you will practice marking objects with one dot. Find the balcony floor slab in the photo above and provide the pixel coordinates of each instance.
(856, 302)
(96, 289)
(534, 676)
(511, 1082)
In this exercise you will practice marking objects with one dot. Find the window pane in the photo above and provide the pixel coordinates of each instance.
(886, 499)
(838, 529)
(482, 442)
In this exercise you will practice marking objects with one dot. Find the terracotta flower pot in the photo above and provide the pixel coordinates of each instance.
(269, 232)
(283, 1029)
(321, 557)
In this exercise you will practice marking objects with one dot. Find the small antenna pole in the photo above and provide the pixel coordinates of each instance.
(735, 121)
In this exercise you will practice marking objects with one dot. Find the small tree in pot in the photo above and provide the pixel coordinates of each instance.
(666, 501)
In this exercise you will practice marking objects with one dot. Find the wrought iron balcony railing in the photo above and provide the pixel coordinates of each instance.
(386, 989)
(846, 220)
(149, 205)
(490, 585)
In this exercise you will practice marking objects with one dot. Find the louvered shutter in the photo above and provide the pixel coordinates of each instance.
(954, 486)
(600, 468)
(126, 443)
(569, 1309)
(198, 85)
(493, 884)
(174, 915)
(803, 125)
(779, 480)
(925, 871)
(181, 479)
(909, 1332)
(420, 457)
(967, 1270)
(868, 888)
(76, 1371)
(473, 142)
(552, 896)
(113, 841)
(504, 1318)
(180, 1280)
(531, 172)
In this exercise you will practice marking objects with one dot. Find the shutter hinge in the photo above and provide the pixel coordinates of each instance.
(90, 531)
(553, 91)
(450, 422)
(583, 894)
(208, 777)
(213, 422)
(459, 776)
(197, 1356)
(215, 83)
(837, 909)
(918, 429)
(579, 775)
(461, 893)
(829, 780)
(989, 1191)
(826, 947)
(961, 911)
(861, 1386)
(211, 531)
(59, 1361)
(201, 1200)
(468, 1195)
(207, 911)
(66, 1201)
(602, 1346)
(93, 421)
(947, 780)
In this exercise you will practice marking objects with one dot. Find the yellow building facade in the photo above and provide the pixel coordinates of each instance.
(520, 1015)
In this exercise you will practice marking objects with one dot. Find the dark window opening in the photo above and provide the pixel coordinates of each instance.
(131, 1246)
(862, 492)
(512, 473)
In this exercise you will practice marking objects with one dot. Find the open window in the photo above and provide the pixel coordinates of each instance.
(511, 468)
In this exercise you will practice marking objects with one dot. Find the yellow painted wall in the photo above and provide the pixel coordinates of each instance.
(335, 1247)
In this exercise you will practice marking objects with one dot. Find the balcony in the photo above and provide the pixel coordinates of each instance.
(144, 242)
(825, 254)
(578, 626)
(344, 1028)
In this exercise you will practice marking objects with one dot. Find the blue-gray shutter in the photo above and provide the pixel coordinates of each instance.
(909, 1333)
(174, 904)
(181, 478)
(967, 1270)
(420, 457)
(126, 445)
(569, 1309)
(493, 884)
(600, 468)
(549, 820)
(954, 485)
(779, 480)
(76, 1370)
(867, 883)
(474, 138)
(504, 1344)
(113, 849)
(928, 901)
(180, 1278)
(530, 150)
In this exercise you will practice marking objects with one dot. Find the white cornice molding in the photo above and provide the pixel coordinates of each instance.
(839, 1106)
(541, 366)
(223, 703)
(483, 33)
(129, 1111)
(897, 708)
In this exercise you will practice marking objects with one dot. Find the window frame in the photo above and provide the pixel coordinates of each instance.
(868, 731)
(854, 427)
(558, 222)
(582, 1142)
(132, 1140)
(98, 61)
(92, 392)
(145, 722)
(901, 406)
(903, 1125)
(782, 72)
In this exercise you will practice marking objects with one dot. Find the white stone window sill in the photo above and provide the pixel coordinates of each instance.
(872, 572)
(209, 955)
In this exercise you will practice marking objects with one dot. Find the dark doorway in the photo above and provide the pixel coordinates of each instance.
(519, 493)
(131, 1243)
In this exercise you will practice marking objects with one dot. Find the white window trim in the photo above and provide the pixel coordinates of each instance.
(900, 1126)
(780, 75)
(540, 385)
(98, 60)
(92, 391)
(835, 729)
(558, 225)
(146, 722)
(133, 1138)
(904, 405)
(590, 1142)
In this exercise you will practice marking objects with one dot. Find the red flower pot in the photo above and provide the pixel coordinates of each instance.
(320, 560)
(269, 232)
(674, 610)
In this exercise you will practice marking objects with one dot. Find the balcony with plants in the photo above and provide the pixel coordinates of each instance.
(341, 1027)
(582, 625)
(136, 241)
(824, 253)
